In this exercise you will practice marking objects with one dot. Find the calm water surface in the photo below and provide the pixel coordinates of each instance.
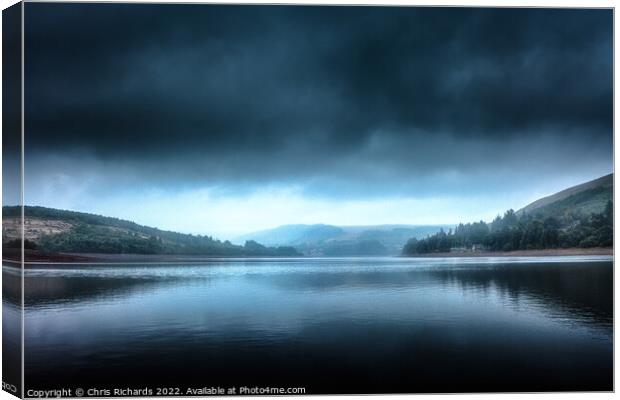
(329, 325)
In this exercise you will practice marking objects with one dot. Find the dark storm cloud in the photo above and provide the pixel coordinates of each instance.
(257, 93)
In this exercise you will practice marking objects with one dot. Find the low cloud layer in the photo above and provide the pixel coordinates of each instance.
(343, 102)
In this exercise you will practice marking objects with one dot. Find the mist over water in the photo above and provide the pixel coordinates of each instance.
(348, 325)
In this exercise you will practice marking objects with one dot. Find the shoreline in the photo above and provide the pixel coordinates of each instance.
(595, 251)
(34, 258)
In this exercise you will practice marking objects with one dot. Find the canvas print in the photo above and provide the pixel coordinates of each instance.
(206, 199)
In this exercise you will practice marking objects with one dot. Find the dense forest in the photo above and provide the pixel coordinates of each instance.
(525, 232)
(91, 233)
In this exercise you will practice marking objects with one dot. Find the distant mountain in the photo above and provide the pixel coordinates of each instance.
(293, 235)
(52, 230)
(580, 200)
(330, 240)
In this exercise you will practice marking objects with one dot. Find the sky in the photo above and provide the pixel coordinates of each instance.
(224, 120)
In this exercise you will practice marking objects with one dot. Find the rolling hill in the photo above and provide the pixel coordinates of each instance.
(330, 240)
(577, 216)
(293, 235)
(53, 230)
(580, 200)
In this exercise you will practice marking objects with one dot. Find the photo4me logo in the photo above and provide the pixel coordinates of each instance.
(244, 390)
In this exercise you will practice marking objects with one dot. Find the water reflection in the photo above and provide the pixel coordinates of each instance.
(581, 291)
(374, 323)
(11, 328)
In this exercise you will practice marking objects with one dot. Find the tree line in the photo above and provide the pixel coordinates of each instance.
(527, 232)
(98, 234)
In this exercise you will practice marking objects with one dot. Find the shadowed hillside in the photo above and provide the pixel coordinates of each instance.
(587, 198)
(52, 230)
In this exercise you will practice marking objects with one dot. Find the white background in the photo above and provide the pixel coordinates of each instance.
(546, 3)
